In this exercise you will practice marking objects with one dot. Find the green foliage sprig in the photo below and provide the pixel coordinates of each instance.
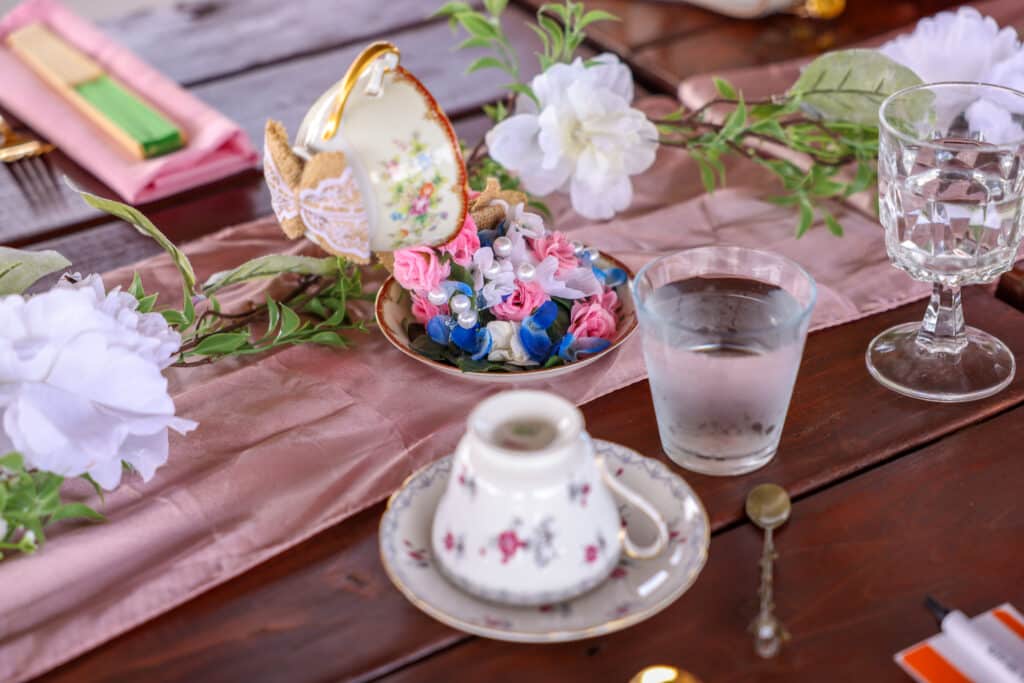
(29, 502)
(316, 311)
(828, 116)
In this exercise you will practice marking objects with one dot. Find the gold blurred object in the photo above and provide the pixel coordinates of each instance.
(822, 9)
(663, 674)
(14, 147)
(24, 158)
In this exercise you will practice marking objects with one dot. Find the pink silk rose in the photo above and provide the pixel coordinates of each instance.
(556, 244)
(423, 310)
(465, 244)
(420, 269)
(595, 317)
(523, 301)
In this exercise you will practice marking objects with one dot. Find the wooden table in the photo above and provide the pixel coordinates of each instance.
(894, 498)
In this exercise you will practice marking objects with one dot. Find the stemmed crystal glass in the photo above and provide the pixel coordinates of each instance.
(950, 182)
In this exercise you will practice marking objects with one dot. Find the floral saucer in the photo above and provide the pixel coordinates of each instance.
(393, 309)
(636, 590)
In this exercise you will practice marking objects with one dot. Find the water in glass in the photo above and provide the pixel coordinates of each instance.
(721, 385)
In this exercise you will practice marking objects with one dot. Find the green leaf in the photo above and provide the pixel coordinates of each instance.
(806, 216)
(735, 122)
(554, 31)
(13, 462)
(221, 343)
(460, 274)
(495, 7)
(135, 288)
(707, 174)
(865, 178)
(146, 303)
(271, 265)
(473, 41)
(769, 127)
(833, 225)
(476, 25)
(523, 89)
(20, 268)
(76, 511)
(327, 338)
(290, 321)
(174, 318)
(595, 16)
(136, 219)
(850, 85)
(450, 9)
(725, 89)
(489, 63)
(426, 346)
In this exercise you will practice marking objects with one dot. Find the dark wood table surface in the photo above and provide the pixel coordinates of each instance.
(894, 498)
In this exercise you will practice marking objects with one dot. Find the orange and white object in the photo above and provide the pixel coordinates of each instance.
(963, 652)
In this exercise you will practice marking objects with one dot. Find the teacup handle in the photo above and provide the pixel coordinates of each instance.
(361, 63)
(631, 549)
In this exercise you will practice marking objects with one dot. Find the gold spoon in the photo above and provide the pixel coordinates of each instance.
(768, 506)
(663, 674)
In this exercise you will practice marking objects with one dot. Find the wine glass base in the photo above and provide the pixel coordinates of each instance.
(983, 368)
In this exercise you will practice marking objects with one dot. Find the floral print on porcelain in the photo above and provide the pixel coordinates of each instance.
(635, 590)
(412, 179)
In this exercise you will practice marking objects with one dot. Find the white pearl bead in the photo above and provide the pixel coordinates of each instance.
(578, 248)
(526, 271)
(459, 303)
(593, 254)
(492, 271)
(437, 297)
(468, 319)
(502, 246)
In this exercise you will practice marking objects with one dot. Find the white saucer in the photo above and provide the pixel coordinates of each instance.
(636, 590)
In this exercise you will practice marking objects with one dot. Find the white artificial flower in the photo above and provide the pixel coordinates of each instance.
(81, 388)
(577, 284)
(584, 139)
(518, 219)
(955, 46)
(493, 289)
(506, 346)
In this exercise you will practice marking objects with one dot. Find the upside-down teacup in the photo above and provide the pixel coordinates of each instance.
(528, 517)
(401, 148)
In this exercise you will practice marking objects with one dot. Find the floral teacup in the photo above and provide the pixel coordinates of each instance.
(402, 150)
(528, 517)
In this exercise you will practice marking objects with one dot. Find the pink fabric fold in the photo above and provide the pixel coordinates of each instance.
(216, 147)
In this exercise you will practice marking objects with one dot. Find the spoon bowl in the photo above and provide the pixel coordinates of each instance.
(768, 506)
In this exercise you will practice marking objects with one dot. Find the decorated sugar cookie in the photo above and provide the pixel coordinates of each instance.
(375, 165)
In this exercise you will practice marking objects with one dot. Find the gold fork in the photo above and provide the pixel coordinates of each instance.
(24, 157)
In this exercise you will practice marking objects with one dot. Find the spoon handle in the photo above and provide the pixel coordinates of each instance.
(768, 631)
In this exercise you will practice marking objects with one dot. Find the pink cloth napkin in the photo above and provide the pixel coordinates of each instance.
(216, 147)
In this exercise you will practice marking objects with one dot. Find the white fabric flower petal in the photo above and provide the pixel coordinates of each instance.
(953, 46)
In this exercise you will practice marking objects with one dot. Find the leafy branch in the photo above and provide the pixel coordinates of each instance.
(316, 311)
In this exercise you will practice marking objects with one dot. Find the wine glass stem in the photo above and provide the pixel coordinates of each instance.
(943, 329)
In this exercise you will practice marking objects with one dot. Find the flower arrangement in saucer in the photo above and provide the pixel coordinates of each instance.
(506, 295)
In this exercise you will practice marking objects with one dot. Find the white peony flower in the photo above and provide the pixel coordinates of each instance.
(81, 388)
(506, 347)
(955, 46)
(585, 138)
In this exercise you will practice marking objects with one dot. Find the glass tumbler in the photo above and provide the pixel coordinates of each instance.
(723, 330)
(950, 190)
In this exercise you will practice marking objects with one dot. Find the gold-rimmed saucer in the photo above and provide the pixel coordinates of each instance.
(636, 590)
